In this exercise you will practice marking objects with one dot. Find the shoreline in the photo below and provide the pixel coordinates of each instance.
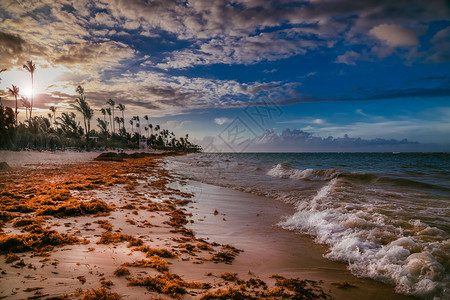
(251, 224)
(139, 204)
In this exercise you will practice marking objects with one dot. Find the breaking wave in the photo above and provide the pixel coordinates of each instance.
(287, 172)
(408, 254)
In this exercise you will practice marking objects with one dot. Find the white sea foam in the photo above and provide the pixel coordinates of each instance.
(287, 172)
(375, 247)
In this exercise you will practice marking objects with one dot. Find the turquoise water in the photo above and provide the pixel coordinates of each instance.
(387, 215)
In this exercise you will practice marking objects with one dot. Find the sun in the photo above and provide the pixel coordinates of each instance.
(27, 91)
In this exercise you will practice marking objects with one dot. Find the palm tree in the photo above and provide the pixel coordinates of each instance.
(30, 67)
(121, 120)
(15, 92)
(146, 118)
(151, 127)
(53, 110)
(132, 128)
(136, 118)
(117, 120)
(26, 103)
(138, 126)
(103, 126)
(112, 103)
(68, 123)
(83, 107)
(108, 111)
(103, 111)
(121, 107)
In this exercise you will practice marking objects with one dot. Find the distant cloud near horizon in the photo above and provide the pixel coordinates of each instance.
(296, 140)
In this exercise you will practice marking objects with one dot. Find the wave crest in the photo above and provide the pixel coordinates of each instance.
(285, 171)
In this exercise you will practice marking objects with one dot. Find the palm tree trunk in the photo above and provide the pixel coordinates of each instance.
(114, 125)
(16, 110)
(32, 96)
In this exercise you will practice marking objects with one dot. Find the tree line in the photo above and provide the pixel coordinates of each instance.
(66, 130)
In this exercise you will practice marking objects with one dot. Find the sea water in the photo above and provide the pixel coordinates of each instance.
(387, 215)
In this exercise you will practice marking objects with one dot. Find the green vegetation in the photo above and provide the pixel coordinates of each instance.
(54, 132)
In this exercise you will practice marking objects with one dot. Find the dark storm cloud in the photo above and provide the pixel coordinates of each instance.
(11, 49)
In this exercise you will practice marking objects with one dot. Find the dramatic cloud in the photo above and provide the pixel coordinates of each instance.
(105, 54)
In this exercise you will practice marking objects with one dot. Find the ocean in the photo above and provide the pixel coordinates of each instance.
(386, 215)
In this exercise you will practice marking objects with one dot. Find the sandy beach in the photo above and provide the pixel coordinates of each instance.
(72, 228)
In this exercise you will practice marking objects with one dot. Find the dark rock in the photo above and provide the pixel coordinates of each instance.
(4, 167)
(109, 156)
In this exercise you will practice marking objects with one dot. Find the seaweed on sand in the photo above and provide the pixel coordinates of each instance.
(109, 237)
(99, 294)
(229, 276)
(296, 288)
(169, 284)
(121, 271)
(229, 293)
(227, 254)
(177, 218)
(44, 241)
(153, 251)
(76, 208)
(154, 262)
(27, 221)
(104, 224)
(6, 216)
(11, 257)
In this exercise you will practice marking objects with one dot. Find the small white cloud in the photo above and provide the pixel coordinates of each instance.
(348, 58)
(318, 121)
(359, 111)
(221, 121)
(395, 35)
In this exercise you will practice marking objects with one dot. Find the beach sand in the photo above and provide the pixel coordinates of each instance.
(134, 217)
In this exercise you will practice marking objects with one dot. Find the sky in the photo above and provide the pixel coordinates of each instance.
(244, 75)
